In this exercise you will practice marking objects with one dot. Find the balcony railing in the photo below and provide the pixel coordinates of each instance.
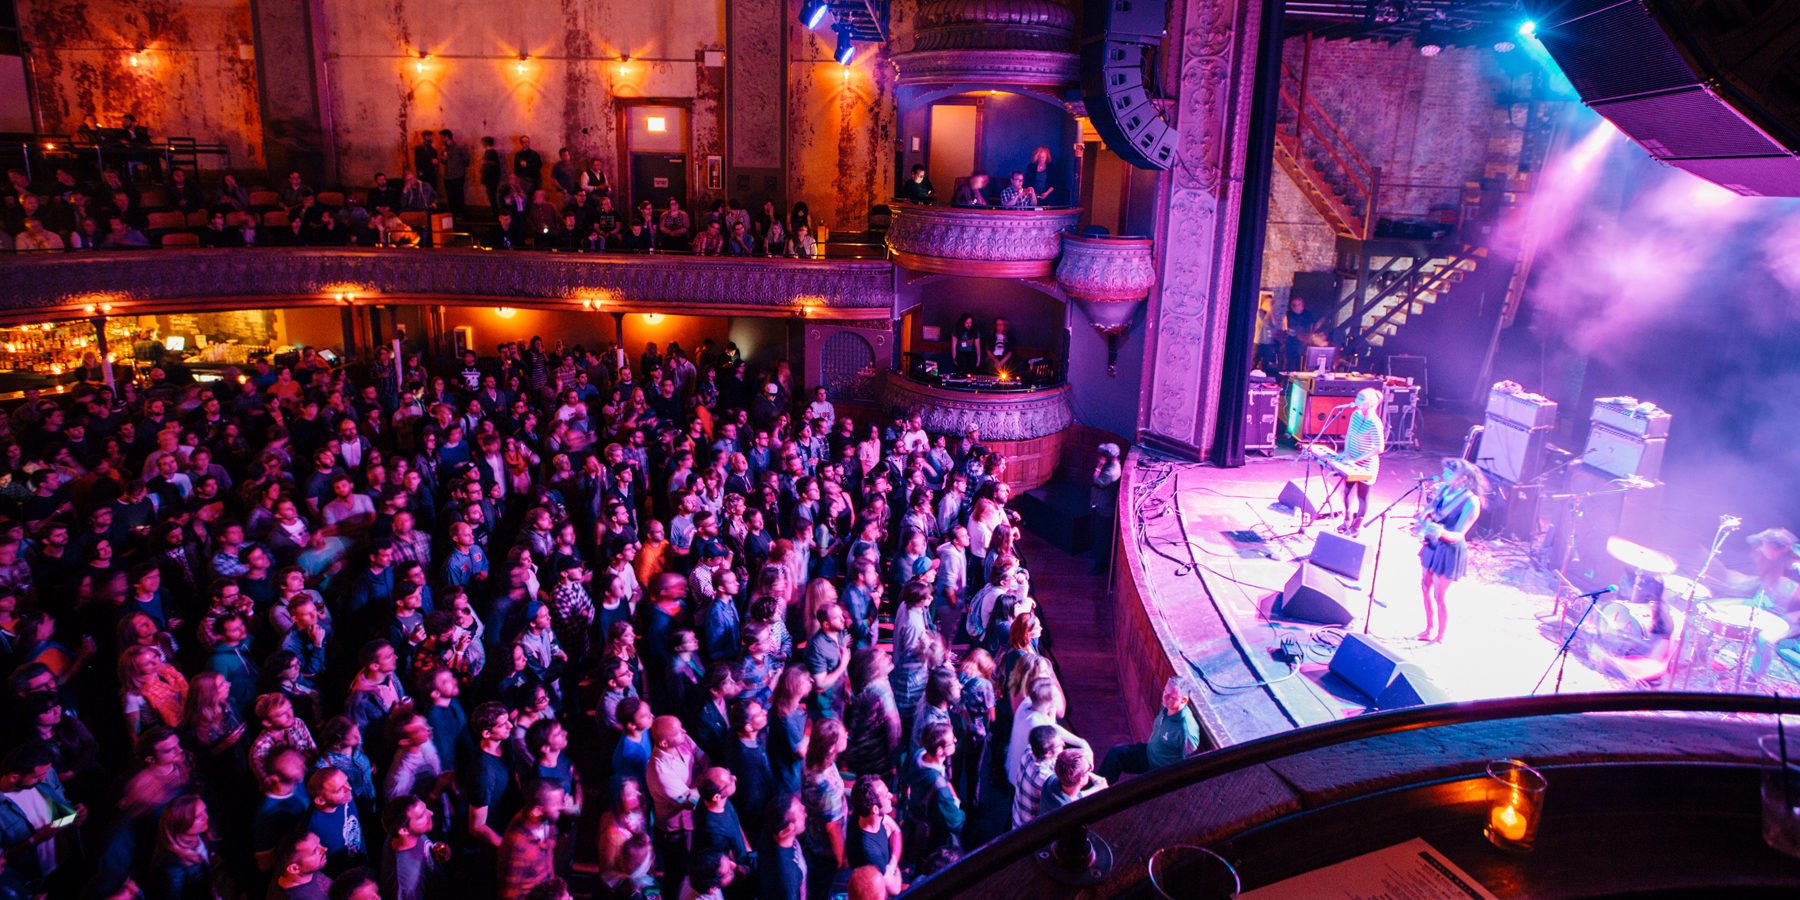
(979, 241)
(1677, 782)
(53, 284)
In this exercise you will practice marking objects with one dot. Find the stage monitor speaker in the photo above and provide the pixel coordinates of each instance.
(1339, 554)
(1410, 687)
(1314, 595)
(1696, 84)
(1365, 663)
(1295, 497)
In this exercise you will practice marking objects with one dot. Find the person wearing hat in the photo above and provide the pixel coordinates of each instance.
(767, 408)
(1775, 585)
(571, 610)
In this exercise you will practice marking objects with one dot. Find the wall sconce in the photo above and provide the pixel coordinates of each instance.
(652, 318)
(136, 58)
(48, 146)
(505, 312)
(624, 65)
(524, 60)
(423, 63)
(346, 298)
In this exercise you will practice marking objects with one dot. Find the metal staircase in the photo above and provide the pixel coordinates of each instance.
(1322, 162)
(1386, 282)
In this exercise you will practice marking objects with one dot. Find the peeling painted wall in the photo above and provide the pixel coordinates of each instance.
(842, 121)
(191, 81)
(380, 100)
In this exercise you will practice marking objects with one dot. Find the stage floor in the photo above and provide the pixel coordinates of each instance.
(1504, 627)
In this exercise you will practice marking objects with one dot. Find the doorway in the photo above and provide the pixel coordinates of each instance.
(955, 136)
(653, 138)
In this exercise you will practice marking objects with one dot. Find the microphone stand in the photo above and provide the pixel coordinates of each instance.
(1380, 535)
(1324, 509)
(1562, 653)
(1726, 527)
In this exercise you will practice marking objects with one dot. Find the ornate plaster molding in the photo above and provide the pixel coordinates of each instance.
(991, 242)
(1026, 67)
(1003, 417)
(43, 282)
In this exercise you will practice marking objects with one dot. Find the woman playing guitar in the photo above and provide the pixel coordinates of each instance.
(1452, 505)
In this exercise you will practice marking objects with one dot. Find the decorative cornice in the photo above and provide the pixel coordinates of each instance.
(40, 284)
(987, 242)
(1019, 416)
(1024, 67)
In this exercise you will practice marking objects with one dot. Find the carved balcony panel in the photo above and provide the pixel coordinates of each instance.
(1007, 416)
(991, 243)
(992, 41)
(1108, 277)
(49, 285)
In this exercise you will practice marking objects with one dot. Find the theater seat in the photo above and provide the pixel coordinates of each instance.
(333, 199)
(180, 239)
(163, 221)
(198, 218)
(261, 200)
(275, 218)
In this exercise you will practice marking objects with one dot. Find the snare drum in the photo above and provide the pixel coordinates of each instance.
(1739, 621)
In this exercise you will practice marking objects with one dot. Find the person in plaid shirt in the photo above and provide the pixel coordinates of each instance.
(528, 852)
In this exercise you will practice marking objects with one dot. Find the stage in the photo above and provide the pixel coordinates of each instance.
(1207, 552)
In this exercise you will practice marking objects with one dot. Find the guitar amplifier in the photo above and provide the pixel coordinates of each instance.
(1622, 453)
(1312, 402)
(1260, 415)
(1510, 402)
(1512, 451)
(1632, 416)
(1628, 508)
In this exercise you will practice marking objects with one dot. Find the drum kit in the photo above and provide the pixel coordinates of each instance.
(1701, 635)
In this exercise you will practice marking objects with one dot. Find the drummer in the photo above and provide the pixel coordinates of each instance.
(1776, 583)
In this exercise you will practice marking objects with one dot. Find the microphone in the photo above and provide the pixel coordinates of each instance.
(1592, 594)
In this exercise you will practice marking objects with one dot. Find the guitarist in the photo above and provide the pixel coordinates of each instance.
(1360, 460)
(1452, 505)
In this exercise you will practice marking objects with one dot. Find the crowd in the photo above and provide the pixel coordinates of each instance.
(552, 618)
(572, 210)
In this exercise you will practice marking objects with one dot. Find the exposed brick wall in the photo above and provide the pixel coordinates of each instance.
(1424, 121)
(1428, 123)
(1298, 239)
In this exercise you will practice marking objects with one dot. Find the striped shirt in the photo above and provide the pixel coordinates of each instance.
(1364, 442)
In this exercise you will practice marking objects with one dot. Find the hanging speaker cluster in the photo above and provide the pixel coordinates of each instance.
(1119, 44)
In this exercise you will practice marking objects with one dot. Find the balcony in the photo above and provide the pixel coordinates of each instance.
(978, 241)
(55, 285)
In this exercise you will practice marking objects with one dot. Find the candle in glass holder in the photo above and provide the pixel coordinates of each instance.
(1515, 803)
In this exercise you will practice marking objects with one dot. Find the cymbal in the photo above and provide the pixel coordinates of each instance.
(1637, 556)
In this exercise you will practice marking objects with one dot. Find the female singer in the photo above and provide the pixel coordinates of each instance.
(1453, 505)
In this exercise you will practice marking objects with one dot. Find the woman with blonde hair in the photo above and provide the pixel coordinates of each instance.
(818, 593)
(181, 867)
(154, 692)
(213, 728)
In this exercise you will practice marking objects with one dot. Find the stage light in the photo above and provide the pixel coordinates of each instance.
(846, 48)
(1527, 28)
(812, 12)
